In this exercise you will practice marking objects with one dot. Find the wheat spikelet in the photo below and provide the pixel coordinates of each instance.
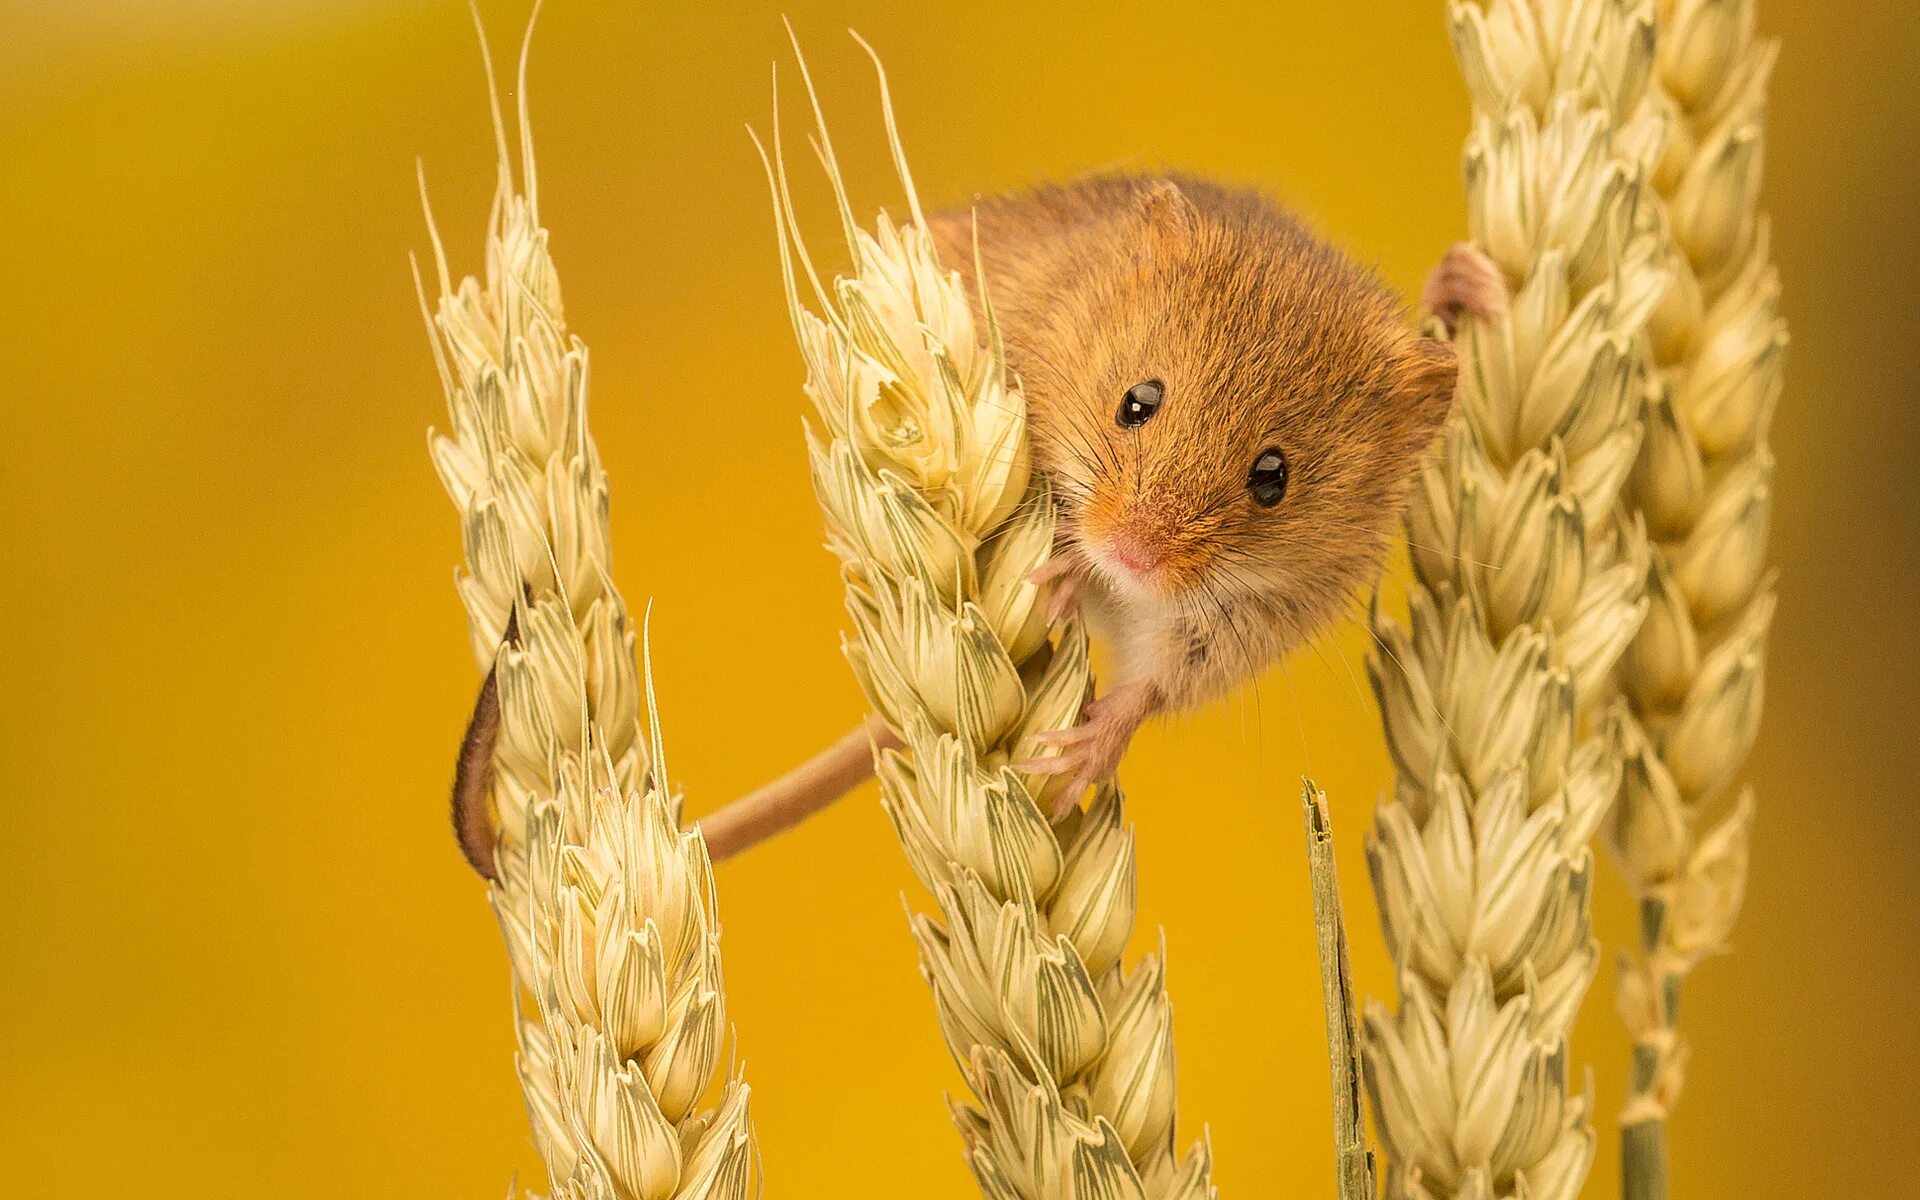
(1703, 485)
(1526, 592)
(607, 908)
(920, 461)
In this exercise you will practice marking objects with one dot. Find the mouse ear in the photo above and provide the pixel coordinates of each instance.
(1424, 391)
(1166, 208)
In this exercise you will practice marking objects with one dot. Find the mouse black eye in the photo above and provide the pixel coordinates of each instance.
(1140, 403)
(1267, 481)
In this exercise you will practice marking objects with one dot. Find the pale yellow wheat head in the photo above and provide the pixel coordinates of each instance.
(607, 907)
(1703, 485)
(920, 461)
(1526, 591)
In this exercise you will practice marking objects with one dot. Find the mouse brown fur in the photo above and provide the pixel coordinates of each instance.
(1262, 337)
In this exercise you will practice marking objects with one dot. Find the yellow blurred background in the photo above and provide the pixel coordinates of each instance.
(238, 951)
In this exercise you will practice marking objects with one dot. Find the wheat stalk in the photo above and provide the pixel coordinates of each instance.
(607, 908)
(1354, 1168)
(1526, 591)
(1694, 676)
(920, 461)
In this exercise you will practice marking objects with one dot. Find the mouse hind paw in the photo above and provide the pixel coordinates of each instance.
(1091, 751)
(1465, 281)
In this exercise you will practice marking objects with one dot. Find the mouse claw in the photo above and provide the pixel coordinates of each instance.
(1064, 584)
(1065, 598)
(1050, 570)
(1465, 281)
(1053, 765)
(1092, 749)
(1062, 737)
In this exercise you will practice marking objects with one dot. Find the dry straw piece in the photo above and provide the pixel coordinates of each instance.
(921, 463)
(607, 908)
(1526, 591)
(1703, 486)
(1354, 1167)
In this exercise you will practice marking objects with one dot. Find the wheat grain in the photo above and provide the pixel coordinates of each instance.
(920, 461)
(606, 907)
(1526, 591)
(1703, 485)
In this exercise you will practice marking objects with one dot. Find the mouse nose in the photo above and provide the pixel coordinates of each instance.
(1140, 556)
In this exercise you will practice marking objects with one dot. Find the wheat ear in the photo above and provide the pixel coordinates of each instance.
(1526, 590)
(921, 463)
(607, 908)
(1703, 486)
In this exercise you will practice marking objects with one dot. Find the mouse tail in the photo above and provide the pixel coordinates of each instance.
(473, 782)
(810, 787)
(760, 814)
(473, 770)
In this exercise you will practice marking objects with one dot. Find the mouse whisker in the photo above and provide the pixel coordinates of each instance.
(1226, 498)
(1417, 545)
(1081, 447)
(1325, 635)
(1432, 706)
(1298, 635)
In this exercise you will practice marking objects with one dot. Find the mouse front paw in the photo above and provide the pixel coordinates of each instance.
(1092, 750)
(1065, 581)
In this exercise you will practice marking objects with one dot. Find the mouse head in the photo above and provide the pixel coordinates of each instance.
(1247, 413)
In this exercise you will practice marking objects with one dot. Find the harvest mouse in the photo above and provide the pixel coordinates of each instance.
(1230, 412)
